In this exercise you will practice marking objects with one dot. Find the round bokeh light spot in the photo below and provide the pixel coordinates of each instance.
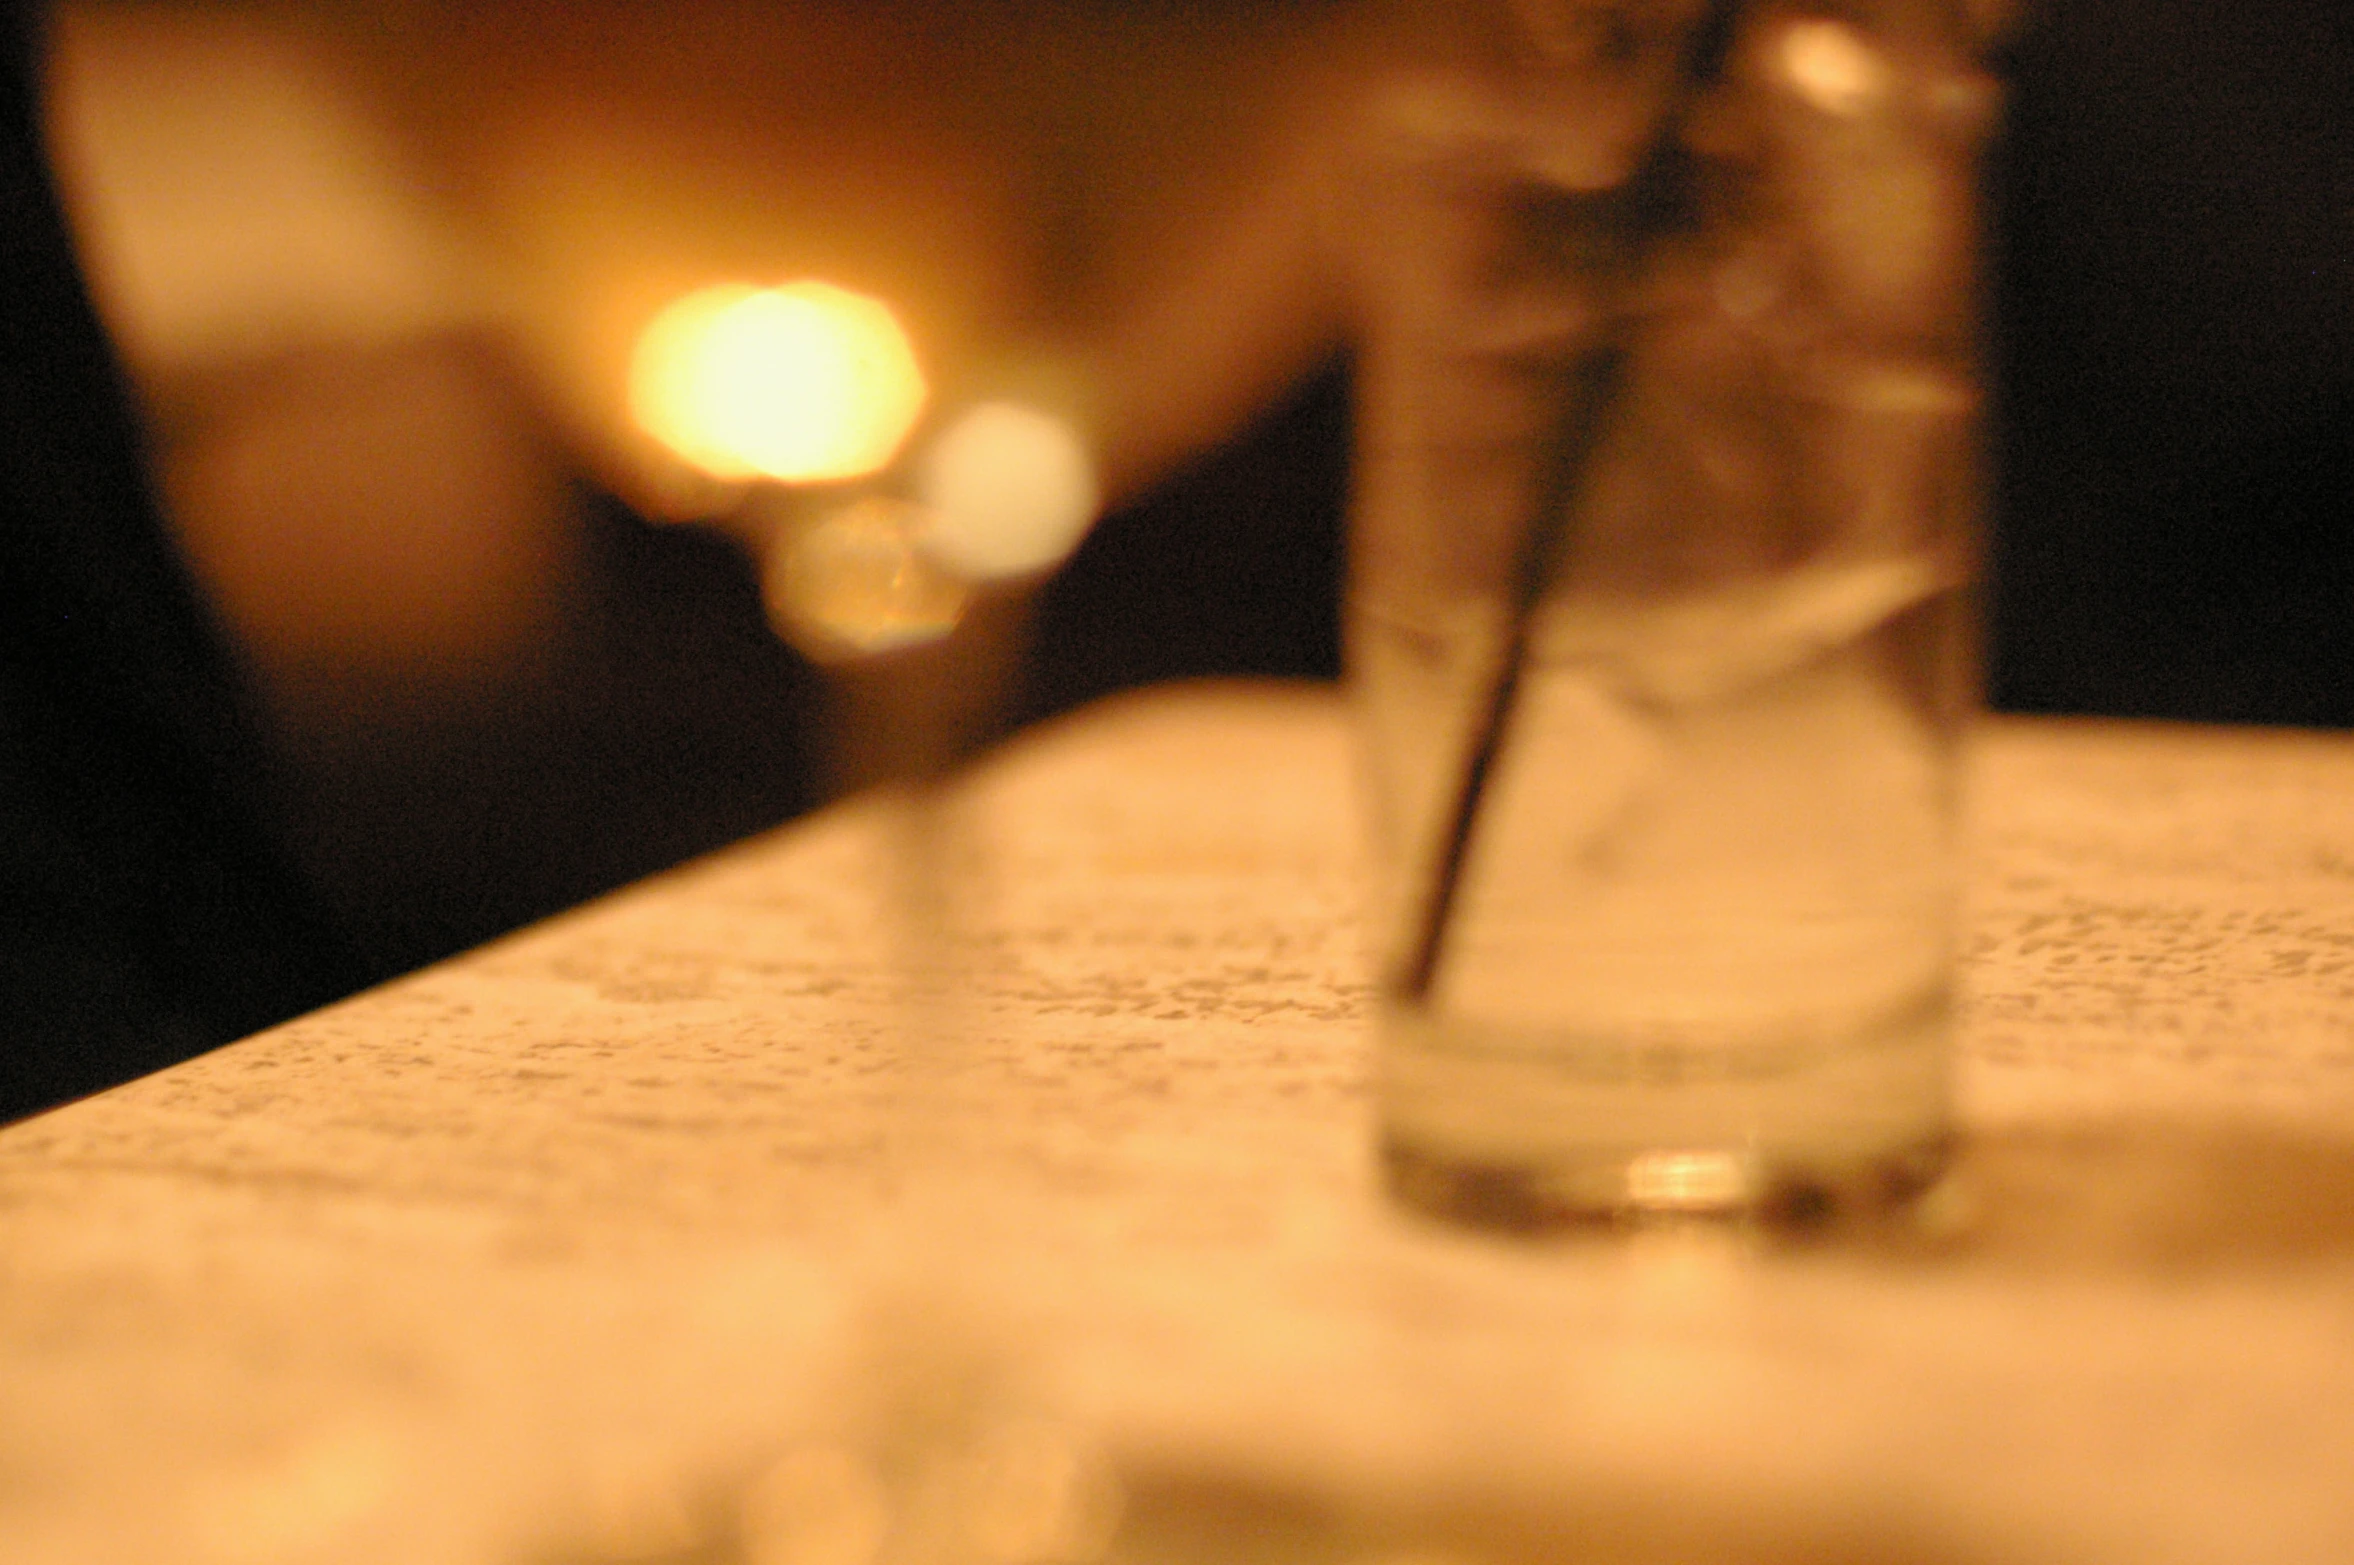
(854, 583)
(802, 383)
(1011, 490)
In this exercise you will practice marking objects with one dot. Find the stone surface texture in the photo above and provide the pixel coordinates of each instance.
(1054, 1098)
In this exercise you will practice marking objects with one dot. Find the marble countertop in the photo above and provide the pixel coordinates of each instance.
(674, 1229)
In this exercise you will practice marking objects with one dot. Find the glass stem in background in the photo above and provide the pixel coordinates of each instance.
(906, 723)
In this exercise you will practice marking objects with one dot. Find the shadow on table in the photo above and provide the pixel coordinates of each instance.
(2142, 1197)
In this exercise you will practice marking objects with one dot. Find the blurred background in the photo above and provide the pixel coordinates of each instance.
(378, 270)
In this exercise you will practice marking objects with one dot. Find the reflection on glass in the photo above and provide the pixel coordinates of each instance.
(1012, 490)
(1689, 1181)
(856, 581)
(802, 383)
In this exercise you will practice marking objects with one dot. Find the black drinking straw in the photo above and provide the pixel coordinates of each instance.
(1654, 198)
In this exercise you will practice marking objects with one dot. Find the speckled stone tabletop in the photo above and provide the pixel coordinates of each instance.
(590, 1245)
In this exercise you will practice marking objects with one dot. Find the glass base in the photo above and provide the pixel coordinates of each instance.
(1619, 1189)
(1812, 1122)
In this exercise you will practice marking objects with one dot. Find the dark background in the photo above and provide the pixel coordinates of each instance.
(2175, 308)
(2171, 294)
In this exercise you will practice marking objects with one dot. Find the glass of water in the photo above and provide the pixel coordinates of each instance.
(1659, 622)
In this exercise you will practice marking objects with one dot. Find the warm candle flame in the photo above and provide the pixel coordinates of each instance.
(802, 383)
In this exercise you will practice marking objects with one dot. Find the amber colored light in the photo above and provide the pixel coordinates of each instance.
(1689, 1181)
(1012, 491)
(855, 582)
(801, 383)
(1832, 67)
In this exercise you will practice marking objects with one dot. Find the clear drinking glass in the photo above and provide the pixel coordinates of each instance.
(1660, 626)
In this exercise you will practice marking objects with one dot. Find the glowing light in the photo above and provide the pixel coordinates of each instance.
(1688, 1181)
(1012, 490)
(855, 582)
(800, 383)
(1832, 68)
